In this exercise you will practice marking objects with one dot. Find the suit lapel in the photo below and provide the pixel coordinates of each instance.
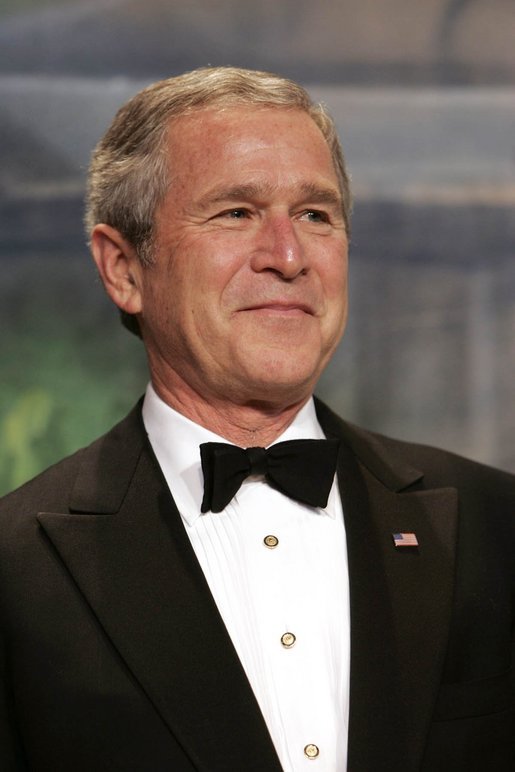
(400, 600)
(131, 558)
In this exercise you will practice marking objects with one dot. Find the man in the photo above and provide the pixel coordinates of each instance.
(154, 617)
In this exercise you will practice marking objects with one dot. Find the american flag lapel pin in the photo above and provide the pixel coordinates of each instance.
(405, 540)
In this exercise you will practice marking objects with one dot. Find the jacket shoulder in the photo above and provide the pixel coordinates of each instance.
(443, 468)
(51, 489)
(437, 468)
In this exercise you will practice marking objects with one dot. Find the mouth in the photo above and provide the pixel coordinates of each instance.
(286, 308)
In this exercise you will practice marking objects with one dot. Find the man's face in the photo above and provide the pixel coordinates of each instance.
(247, 298)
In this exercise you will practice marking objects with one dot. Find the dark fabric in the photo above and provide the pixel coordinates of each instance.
(301, 469)
(113, 655)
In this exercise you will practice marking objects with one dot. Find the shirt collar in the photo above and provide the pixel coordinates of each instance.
(175, 441)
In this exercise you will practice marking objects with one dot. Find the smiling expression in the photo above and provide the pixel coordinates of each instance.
(247, 297)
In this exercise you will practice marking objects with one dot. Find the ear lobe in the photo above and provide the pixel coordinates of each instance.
(118, 266)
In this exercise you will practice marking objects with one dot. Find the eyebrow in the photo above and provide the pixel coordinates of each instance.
(309, 192)
(320, 194)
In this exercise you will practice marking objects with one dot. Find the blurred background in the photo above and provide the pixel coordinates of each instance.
(424, 97)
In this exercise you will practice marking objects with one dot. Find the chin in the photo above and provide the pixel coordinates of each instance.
(280, 381)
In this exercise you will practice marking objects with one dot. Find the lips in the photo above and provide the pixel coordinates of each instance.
(279, 306)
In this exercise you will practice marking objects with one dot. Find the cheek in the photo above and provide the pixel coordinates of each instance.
(212, 264)
(333, 274)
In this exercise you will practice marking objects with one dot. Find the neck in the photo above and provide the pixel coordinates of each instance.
(254, 424)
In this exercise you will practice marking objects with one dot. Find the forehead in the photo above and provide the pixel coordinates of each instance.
(223, 140)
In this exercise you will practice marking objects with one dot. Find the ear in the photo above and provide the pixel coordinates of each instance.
(118, 266)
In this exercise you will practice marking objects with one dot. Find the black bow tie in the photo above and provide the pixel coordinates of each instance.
(302, 469)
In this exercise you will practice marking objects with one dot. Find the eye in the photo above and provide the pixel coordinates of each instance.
(235, 214)
(231, 217)
(315, 215)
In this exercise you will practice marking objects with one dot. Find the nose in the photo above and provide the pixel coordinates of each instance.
(279, 249)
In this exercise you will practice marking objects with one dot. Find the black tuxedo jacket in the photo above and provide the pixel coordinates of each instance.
(113, 655)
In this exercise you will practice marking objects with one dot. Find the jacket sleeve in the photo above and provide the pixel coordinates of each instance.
(11, 755)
